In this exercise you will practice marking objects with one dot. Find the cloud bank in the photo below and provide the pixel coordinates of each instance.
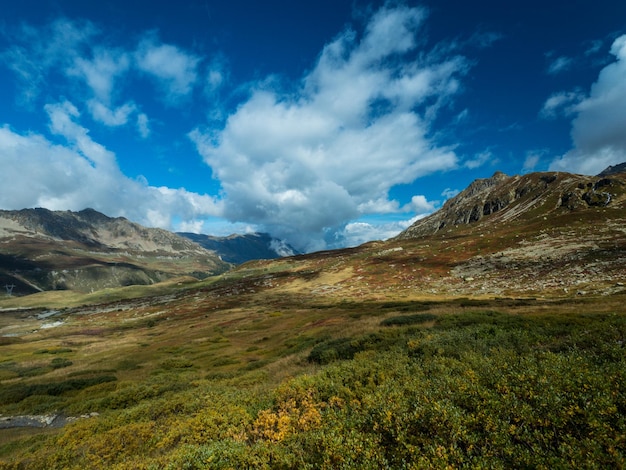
(313, 160)
(599, 127)
(306, 161)
(70, 170)
(83, 174)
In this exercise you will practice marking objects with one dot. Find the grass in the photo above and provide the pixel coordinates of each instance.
(207, 357)
(301, 362)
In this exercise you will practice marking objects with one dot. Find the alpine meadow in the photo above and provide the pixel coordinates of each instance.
(331, 234)
(490, 334)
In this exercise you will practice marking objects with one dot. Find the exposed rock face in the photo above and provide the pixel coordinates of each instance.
(504, 198)
(614, 170)
(470, 205)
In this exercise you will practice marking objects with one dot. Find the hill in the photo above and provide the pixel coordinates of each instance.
(45, 250)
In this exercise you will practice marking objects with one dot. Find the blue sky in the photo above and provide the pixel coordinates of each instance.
(327, 123)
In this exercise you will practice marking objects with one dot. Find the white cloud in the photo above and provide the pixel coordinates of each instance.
(101, 72)
(62, 122)
(39, 173)
(449, 193)
(420, 205)
(359, 232)
(531, 161)
(174, 69)
(564, 102)
(111, 117)
(560, 64)
(37, 52)
(143, 125)
(191, 226)
(480, 159)
(599, 128)
(305, 164)
(65, 53)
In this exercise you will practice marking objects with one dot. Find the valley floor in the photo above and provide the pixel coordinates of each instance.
(234, 374)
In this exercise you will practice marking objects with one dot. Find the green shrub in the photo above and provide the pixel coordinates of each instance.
(60, 362)
(17, 392)
(406, 320)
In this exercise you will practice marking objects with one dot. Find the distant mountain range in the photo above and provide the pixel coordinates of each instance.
(238, 249)
(86, 250)
(553, 213)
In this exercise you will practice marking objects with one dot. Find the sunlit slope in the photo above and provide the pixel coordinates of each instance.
(42, 250)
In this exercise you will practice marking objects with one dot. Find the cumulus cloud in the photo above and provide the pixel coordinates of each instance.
(174, 69)
(305, 163)
(420, 205)
(599, 128)
(40, 173)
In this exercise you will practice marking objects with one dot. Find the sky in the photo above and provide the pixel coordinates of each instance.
(325, 123)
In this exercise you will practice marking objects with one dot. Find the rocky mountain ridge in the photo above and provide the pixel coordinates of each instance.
(93, 229)
(508, 198)
(86, 250)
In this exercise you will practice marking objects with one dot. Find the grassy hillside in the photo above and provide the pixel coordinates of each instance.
(237, 374)
(485, 345)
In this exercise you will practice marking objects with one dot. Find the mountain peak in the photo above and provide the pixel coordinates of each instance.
(521, 197)
(614, 170)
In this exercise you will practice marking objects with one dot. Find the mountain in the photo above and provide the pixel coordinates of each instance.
(613, 170)
(238, 249)
(543, 234)
(45, 250)
(520, 199)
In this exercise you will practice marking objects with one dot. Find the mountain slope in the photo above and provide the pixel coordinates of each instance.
(238, 249)
(505, 328)
(86, 250)
(520, 199)
(541, 234)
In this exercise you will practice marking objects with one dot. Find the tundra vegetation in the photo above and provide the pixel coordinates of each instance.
(500, 343)
(211, 380)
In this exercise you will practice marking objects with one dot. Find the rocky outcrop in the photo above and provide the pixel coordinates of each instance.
(503, 198)
(470, 205)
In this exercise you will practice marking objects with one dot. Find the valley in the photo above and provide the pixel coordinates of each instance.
(493, 340)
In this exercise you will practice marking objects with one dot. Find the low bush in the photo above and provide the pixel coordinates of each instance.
(406, 320)
(17, 392)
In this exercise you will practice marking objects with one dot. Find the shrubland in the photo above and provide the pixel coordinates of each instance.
(495, 383)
